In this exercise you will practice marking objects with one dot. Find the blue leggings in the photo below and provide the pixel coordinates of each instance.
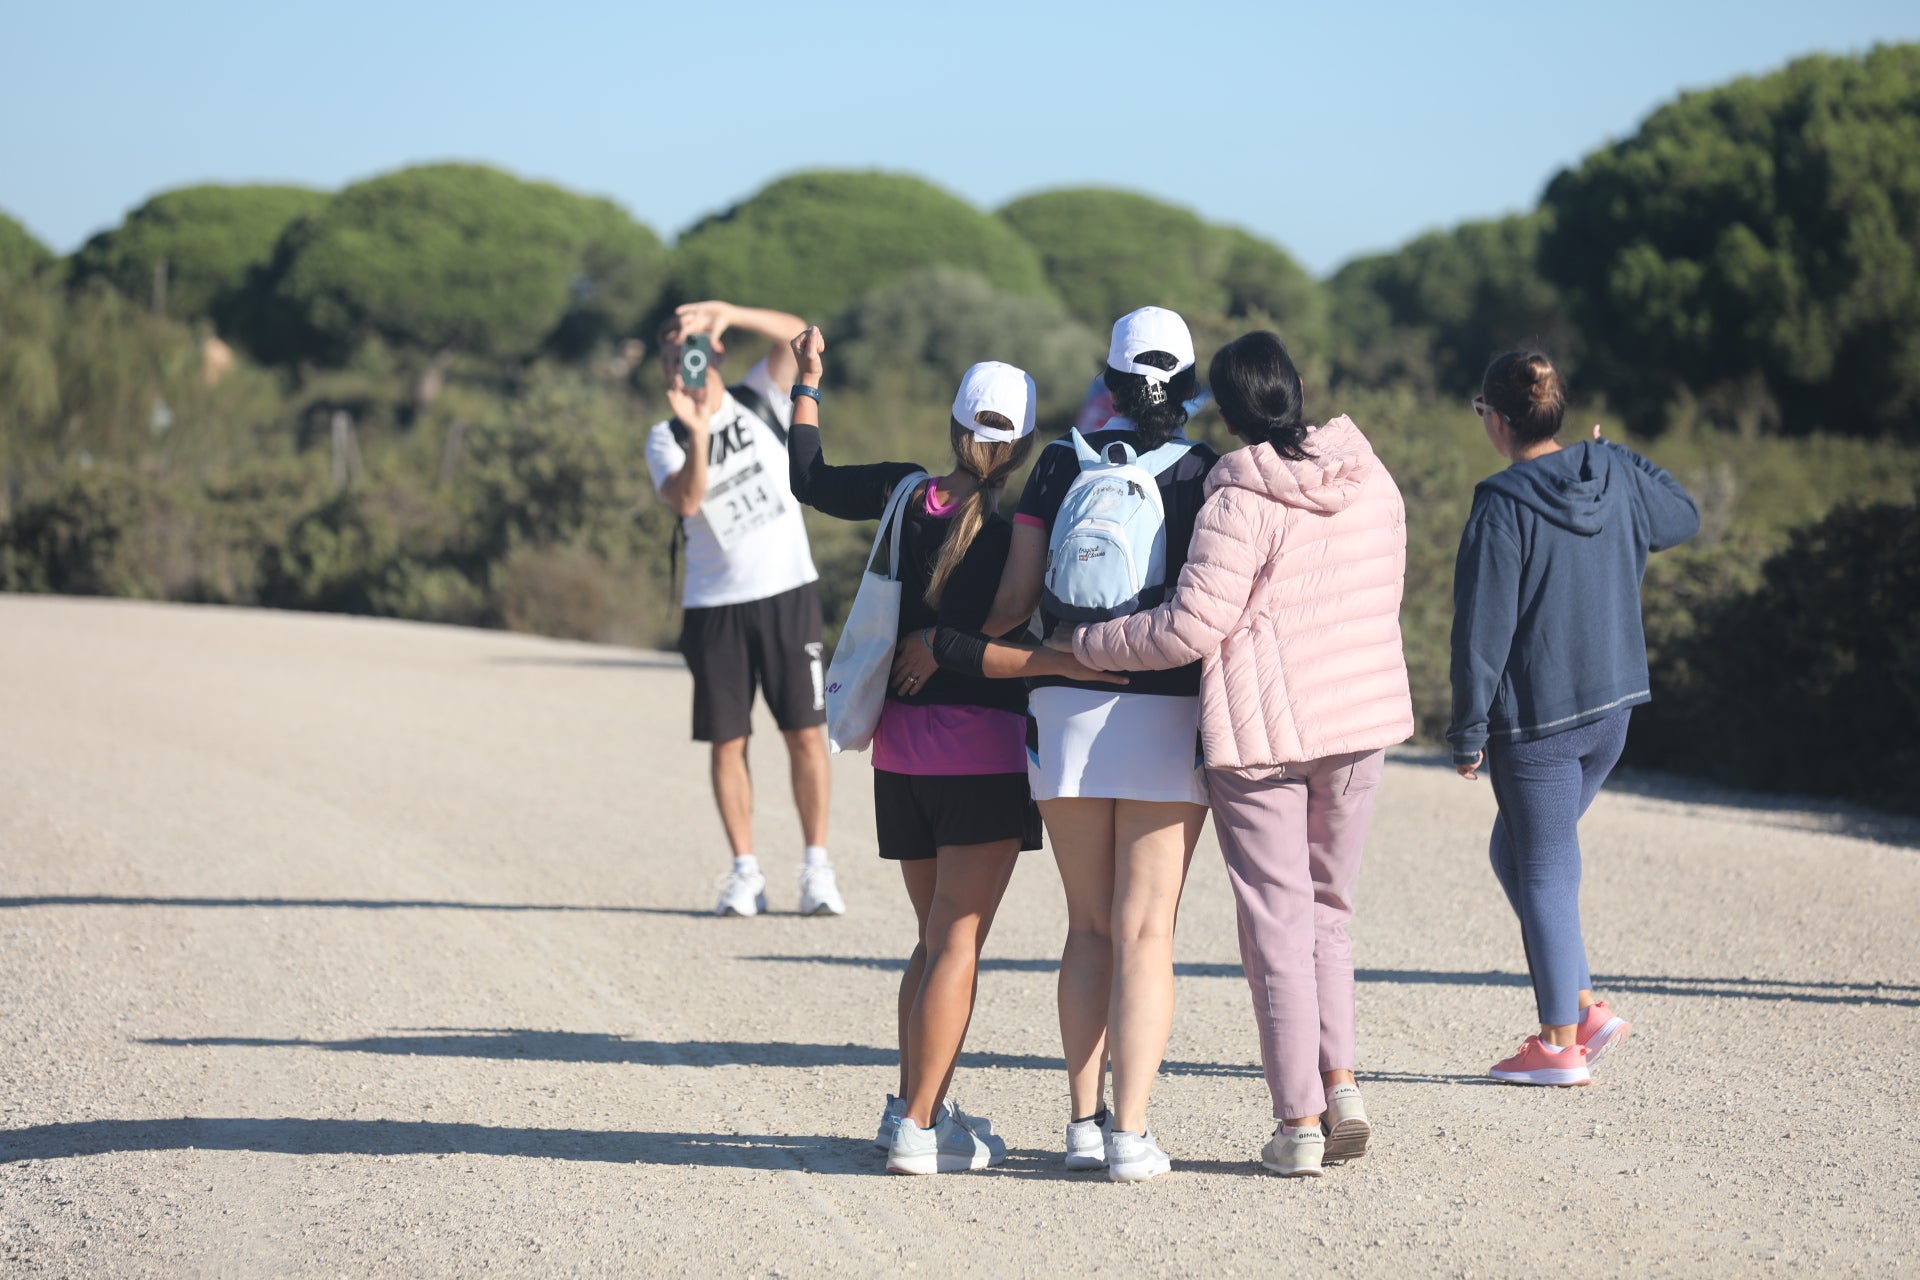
(1543, 788)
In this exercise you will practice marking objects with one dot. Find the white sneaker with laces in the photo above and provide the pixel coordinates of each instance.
(948, 1147)
(1087, 1141)
(742, 893)
(819, 893)
(1297, 1154)
(1135, 1157)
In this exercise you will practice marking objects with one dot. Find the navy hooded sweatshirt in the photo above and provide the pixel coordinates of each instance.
(1546, 592)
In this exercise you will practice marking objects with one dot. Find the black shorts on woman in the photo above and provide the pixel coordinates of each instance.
(916, 814)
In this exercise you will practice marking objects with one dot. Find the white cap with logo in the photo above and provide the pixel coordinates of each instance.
(1150, 329)
(994, 387)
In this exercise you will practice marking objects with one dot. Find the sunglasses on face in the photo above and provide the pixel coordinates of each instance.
(1480, 407)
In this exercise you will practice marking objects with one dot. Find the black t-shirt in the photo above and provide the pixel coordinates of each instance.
(861, 493)
(1182, 491)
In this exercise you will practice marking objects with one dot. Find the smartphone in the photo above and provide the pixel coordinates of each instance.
(695, 357)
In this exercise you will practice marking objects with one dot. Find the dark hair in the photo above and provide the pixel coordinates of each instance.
(1157, 410)
(1260, 394)
(1528, 392)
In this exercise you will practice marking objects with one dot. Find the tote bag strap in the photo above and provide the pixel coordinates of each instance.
(895, 514)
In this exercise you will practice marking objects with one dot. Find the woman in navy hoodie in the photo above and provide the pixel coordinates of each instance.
(1549, 659)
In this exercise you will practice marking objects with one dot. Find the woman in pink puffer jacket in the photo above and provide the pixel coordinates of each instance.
(1291, 598)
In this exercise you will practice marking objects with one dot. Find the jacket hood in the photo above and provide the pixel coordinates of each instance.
(1573, 488)
(1327, 482)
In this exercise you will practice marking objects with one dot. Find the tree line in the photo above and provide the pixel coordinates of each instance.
(423, 395)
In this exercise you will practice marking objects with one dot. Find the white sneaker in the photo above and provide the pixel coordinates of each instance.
(819, 894)
(897, 1107)
(1297, 1154)
(889, 1121)
(1135, 1157)
(742, 893)
(1087, 1141)
(1348, 1129)
(948, 1147)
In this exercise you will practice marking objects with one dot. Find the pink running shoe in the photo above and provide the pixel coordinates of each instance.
(1601, 1031)
(1534, 1064)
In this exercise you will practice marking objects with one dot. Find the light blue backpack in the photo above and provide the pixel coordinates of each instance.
(1108, 552)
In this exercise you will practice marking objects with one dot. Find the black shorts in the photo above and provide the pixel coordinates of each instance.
(773, 645)
(914, 814)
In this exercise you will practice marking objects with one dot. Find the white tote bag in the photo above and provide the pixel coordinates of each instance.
(863, 660)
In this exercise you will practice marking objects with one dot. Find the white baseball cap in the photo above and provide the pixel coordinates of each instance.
(994, 387)
(1150, 329)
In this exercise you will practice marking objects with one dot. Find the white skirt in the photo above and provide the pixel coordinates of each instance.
(1115, 746)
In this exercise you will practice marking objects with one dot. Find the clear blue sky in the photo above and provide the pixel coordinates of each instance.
(1334, 129)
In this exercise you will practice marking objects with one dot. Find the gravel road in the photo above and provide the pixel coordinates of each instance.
(336, 947)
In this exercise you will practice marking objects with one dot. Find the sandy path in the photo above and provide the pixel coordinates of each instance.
(337, 947)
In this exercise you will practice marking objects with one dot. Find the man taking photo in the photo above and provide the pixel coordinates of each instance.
(752, 615)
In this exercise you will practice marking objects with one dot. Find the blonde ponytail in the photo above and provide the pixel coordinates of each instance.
(993, 464)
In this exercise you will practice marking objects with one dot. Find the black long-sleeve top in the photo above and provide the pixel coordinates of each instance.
(861, 493)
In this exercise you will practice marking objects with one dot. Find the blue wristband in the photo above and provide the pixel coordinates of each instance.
(802, 389)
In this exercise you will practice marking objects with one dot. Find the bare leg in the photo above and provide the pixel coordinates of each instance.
(733, 793)
(970, 880)
(1082, 835)
(807, 761)
(986, 924)
(1153, 845)
(920, 876)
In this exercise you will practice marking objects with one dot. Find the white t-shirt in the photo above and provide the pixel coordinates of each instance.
(747, 541)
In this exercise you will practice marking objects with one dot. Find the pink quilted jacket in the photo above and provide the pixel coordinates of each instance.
(1291, 596)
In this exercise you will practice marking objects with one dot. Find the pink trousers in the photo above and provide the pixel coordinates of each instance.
(1292, 838)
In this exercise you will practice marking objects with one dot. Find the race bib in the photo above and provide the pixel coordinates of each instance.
(745, 501)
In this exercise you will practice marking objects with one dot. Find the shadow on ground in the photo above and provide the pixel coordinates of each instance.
(342, 904)
(297, 1136)
(601, 1047)
(1744, 988)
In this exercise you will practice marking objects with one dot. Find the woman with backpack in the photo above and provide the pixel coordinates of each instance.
(1116, 773)
(1290, 600)
(949, 758)
(1549, 659)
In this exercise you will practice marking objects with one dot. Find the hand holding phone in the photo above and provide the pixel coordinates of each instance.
(696, 358)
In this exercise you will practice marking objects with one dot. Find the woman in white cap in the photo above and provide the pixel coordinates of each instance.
(1117, 774)
(950, 793)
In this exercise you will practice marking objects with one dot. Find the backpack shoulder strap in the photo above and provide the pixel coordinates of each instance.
(757, 405)
(1155, 461)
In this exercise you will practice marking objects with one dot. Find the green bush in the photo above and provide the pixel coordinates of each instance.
(1108, 252)
(1436, 311)
(210, 238)
(1809, 683)
(815, 243)
(22, 257)
(91, 534)
(460, 258)
(929, 326)
(1757, 245)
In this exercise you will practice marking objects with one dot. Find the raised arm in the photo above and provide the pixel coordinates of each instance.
(686, 488)
(845, 493)
(1211, 597)
(714, 318)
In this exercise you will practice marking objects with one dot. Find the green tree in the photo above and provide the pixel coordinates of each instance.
(1107, 252)
(210, 238)
(21, 255)
(1435, 311)
(461, 258)
(929, 326)
(815, 243)
(1757, 247)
